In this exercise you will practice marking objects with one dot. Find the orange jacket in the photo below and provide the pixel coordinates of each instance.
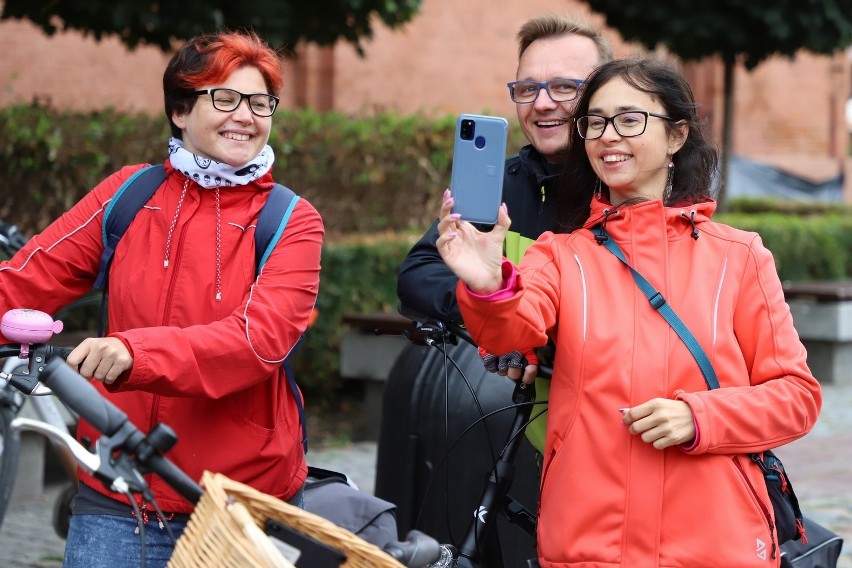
(607, 498)
(209, 369)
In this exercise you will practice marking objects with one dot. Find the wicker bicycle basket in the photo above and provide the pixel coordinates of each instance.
(225, 531)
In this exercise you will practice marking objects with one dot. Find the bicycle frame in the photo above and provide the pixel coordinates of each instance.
(46, 409)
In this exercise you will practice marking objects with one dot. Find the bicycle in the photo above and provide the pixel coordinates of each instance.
(123, 455)
(45, 407)
(498, 529)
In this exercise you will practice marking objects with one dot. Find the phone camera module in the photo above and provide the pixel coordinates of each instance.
(467, 129)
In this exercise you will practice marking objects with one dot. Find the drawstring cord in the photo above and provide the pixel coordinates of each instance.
(601, 236)
(174, 223)
(691, 219)
(218, 236)
(218, 248)
(143, 513)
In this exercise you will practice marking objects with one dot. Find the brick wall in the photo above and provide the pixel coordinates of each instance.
(454, 57)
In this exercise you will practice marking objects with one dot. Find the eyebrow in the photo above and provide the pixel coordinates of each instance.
(622, 108)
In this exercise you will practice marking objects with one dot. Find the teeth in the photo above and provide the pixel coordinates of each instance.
(550, 122)
(614, 158)
(238, 137)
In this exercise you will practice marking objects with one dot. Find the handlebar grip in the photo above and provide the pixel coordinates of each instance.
(418, 549)
(82, 397)
(61, 352)
(175, 477)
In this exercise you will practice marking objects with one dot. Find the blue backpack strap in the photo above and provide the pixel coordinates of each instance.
(122, 208)
(271, 223)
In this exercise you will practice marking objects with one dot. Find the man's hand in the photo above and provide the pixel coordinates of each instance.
(512, 365)
(101, 358)
(661, 422)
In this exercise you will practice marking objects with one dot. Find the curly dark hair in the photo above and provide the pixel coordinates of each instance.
(695, 162)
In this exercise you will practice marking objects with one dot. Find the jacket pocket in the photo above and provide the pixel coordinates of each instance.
(762, 504)
(548, 463)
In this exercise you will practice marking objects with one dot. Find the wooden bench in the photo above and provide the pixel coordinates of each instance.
(822, 314)
(368, 349)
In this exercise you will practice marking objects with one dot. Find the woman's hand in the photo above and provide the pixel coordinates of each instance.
(101, 358)
(475, 257)
(661, 422)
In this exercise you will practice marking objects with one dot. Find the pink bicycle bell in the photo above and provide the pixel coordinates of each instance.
(27, 327)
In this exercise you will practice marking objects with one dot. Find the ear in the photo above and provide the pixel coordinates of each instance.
(179, 120)
(677, 136)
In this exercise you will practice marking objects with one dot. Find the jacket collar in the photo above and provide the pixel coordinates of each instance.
(678, 218)
(539, 167)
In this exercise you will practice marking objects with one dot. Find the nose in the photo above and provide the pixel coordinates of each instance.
(243, 111)
(543, 100)
(613, 133)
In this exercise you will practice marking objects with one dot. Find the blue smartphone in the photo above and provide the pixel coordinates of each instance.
(479, 156)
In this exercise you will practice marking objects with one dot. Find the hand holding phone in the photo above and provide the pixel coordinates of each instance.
(479, 155)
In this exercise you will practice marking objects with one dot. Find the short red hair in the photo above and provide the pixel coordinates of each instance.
(225, 53)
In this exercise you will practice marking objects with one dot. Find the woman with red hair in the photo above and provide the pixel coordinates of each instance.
(195, 337)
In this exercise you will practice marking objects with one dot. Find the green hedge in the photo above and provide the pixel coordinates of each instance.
(375, 176)
(816, 247)
(373, 173)
(358, 275)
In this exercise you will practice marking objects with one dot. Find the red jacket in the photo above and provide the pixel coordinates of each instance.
(607, 498)
(209, 369)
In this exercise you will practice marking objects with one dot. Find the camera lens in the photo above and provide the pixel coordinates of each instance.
(467, 129)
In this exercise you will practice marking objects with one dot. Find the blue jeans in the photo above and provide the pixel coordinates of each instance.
(110, 541)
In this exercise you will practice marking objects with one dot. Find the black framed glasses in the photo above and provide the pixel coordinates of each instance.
(559, 90)
(627, 124)
(227, 100)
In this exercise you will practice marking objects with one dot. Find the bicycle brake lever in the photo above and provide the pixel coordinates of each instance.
(523, 392)
(88, 460)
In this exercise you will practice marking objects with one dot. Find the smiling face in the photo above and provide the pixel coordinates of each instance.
(544, 122)
(233, 138)
(634, 167)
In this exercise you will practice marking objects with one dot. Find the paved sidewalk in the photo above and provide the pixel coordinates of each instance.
(819, 465)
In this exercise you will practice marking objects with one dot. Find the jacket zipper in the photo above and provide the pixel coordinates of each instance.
(764, 509)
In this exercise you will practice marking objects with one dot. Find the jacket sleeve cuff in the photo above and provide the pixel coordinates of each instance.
(700, 443)
(507, 288)
(688, 447)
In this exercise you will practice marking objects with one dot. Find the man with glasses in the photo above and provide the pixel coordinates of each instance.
(556, 54)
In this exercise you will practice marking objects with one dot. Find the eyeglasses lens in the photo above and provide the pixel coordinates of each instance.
(626, 124)
(228, 100)
(559, 90)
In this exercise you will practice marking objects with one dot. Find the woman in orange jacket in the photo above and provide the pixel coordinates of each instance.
(644, 466)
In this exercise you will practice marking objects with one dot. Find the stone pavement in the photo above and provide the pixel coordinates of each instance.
(820, 466)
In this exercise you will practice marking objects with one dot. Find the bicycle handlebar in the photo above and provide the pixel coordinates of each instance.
(82, 397)
(418, 549)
